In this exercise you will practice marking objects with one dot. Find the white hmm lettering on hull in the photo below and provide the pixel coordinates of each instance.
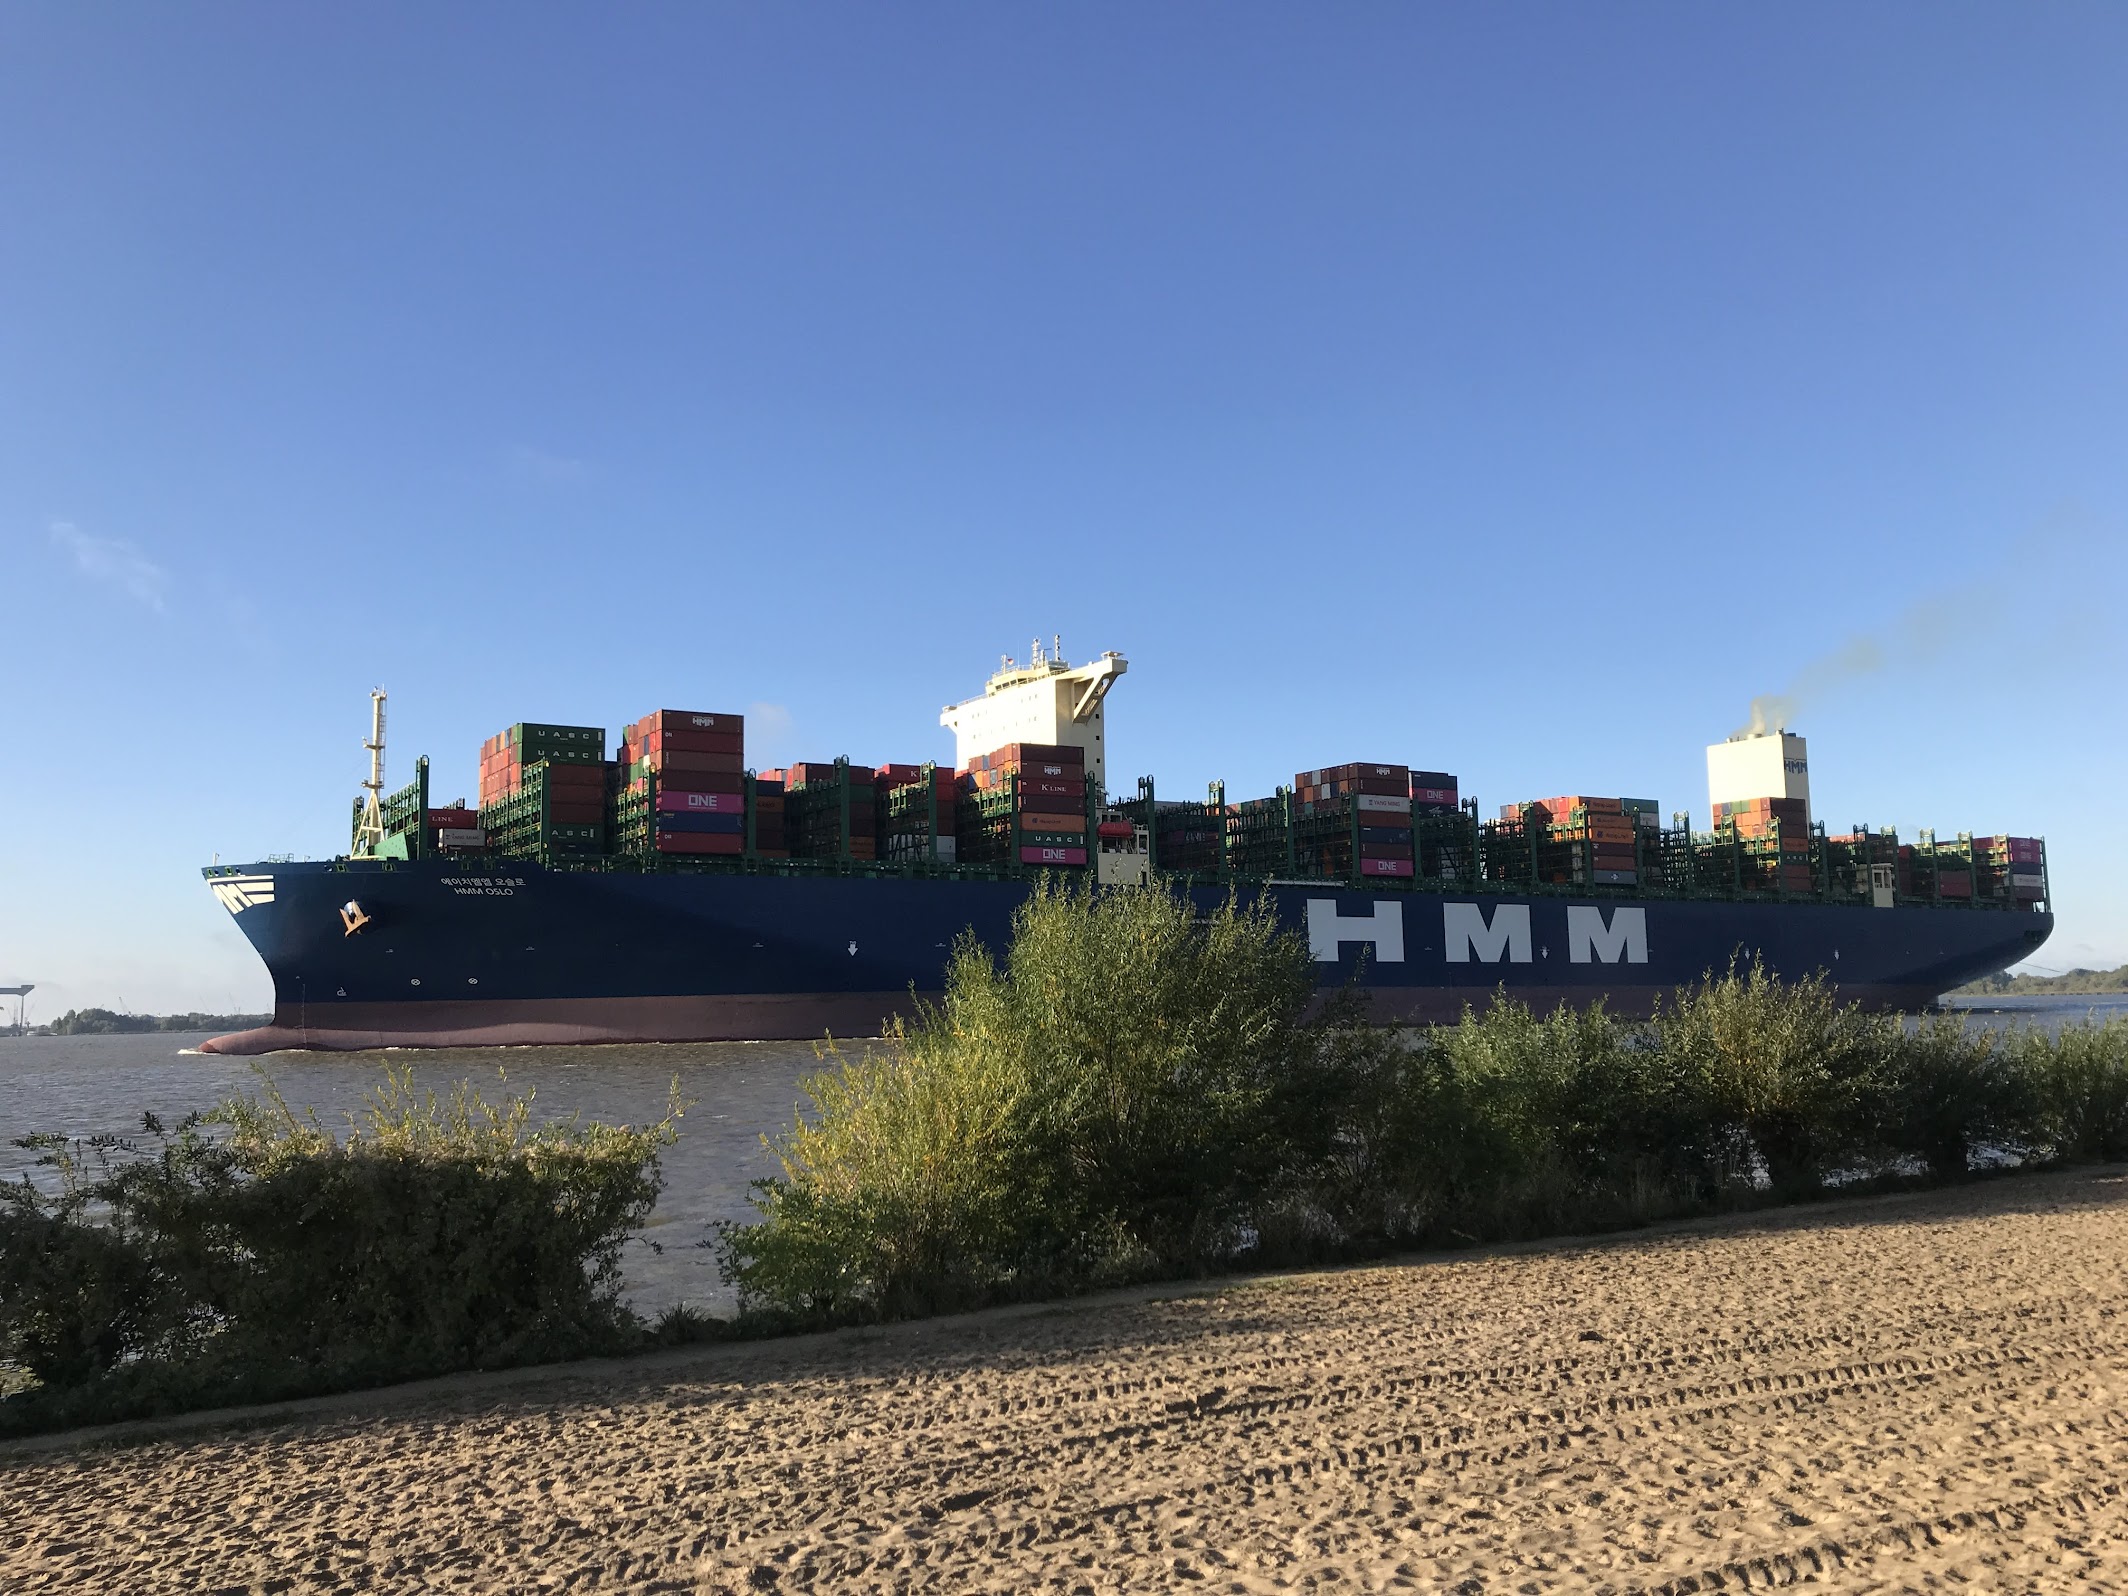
(1465, 933)
(1469, 936)
(1590, 941)
(1327, 930)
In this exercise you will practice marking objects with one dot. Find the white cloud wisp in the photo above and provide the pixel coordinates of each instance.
(114, 562)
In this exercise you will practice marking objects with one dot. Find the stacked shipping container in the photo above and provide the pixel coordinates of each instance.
(1260, 840)
(1025, 803)
(1433, 792)
(1774, 834)
(1353, 821)
(830, 810)
(457, 829)
(2013, 867)
(681, 788)
(543, 789)
(1575, 840)
(915, 822)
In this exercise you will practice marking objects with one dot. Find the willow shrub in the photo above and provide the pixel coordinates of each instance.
(1780, 1069)
(1949, 1092)
(1138, 1090)
(1116, 1098)
(250, 1254)
(2075, 1086)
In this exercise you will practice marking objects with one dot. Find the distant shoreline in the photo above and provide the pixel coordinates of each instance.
(109, 1022)
(2093, 981)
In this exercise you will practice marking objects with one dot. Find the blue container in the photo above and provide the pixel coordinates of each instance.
(1385, 834)
(723, 823)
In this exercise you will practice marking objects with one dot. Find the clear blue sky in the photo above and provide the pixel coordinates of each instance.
(1513, 390)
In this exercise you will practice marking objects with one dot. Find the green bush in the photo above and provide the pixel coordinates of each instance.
(1139, 1090)
(1782, 1068)
(1946, 1090)
(1113, 1100)
(252, 1255)
(2076, 1088)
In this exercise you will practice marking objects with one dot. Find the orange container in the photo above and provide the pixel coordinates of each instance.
(1073, 824)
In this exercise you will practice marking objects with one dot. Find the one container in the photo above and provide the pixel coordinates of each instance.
(1044, 854)
(707, 803)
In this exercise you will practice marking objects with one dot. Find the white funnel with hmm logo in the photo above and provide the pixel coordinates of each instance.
(1760, 765)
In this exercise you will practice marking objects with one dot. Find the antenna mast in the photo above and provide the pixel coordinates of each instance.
(369, 834)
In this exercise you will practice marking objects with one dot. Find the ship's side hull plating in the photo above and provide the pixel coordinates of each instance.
(442, 956)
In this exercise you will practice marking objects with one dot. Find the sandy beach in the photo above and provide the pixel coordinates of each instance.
(1893, 1394)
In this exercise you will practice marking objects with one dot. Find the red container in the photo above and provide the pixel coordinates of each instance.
(724, 764)
(693, 742)
(1051, 787)
(575, 811)
(1036, 754)
(700, 842)
(576, 780)
(768, 803)
(700, 781)
(1444, 796)
(892, 776)
(1385, 867)
(818, 774)
(1052, 856)
(1336, 786)
(683, 720)
(2018, 850)
(1333, 774)
(702, 803)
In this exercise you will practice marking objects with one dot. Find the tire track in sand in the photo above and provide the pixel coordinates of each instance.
(1928, 1390)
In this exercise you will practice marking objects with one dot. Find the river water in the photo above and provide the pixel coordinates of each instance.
(736, 1092)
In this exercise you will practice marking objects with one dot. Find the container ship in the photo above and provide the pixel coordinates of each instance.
(665, 890)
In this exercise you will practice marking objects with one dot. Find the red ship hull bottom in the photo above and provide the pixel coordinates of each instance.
(567, 1022)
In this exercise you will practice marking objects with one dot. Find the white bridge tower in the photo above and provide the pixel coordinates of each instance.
(1044, 701)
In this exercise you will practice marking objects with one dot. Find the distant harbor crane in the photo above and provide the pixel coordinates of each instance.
(19, 994)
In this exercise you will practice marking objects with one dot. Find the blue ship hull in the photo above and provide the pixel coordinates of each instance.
(445, 955)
